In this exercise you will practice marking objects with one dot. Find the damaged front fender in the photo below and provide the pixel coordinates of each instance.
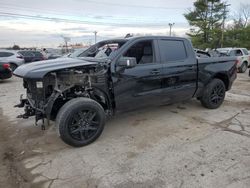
(57, 87)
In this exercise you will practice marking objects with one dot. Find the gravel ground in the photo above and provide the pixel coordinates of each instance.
(180, 145)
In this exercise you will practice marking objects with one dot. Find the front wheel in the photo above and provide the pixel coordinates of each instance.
(80, 121)
(214, 94)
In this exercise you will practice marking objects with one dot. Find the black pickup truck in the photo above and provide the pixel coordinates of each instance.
(120, 75)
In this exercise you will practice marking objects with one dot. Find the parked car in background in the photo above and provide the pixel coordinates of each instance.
(216, 53)
(242, 55)
(66, 55)
(78, 53)
(53, 56)
(5, 71)
(13, 58)
(32, 55)
(38, 56)
(28, 55)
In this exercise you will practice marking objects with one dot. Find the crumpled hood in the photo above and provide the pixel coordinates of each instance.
(38, 70)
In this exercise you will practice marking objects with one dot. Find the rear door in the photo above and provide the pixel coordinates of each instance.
(179, 69)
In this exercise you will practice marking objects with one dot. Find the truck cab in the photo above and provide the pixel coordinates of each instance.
(165, 71)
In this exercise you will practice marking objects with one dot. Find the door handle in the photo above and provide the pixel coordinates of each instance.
(155, 72)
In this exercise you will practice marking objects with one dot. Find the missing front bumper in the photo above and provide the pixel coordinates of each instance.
(29, 111)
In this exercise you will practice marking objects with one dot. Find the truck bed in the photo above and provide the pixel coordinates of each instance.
(216, 60)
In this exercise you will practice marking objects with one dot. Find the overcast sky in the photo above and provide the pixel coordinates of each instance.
(26, 22)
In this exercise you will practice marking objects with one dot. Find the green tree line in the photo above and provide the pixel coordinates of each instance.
(213, 26)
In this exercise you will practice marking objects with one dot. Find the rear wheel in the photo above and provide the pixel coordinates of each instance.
(80, 121)
(214, 94)
(243, 67)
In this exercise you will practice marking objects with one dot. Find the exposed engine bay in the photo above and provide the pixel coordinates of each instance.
(45, 97)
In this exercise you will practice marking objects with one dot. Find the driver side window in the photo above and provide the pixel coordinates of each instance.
(142, 51)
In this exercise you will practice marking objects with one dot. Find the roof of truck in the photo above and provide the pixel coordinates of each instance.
(144, 37)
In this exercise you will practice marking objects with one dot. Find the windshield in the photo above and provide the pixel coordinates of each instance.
(103, 49)
(77, 52)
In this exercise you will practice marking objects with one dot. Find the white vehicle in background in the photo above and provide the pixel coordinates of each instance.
(11, 57)
(76, 53)
(243, 57)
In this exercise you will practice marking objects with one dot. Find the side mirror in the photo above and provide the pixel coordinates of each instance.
(127, 62)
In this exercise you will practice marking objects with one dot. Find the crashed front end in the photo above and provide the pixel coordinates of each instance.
(45, 96)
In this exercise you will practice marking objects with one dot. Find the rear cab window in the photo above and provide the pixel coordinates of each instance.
(172, 50)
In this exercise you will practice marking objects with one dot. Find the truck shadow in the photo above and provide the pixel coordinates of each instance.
(33, 139)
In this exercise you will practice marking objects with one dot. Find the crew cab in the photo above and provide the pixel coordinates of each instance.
(119, 75)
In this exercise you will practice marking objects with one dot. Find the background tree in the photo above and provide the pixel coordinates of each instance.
(237, 33)
(245, 14)
(16, 47)
(207, 18)
(242, 17)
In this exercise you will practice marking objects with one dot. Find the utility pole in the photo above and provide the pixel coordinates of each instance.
(66, 40)
(223, 23)
(170, 28)
(95, 32)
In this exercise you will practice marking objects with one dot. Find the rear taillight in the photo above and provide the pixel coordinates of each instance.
(237, 62)
(6, 66)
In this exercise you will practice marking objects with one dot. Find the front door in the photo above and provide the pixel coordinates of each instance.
(141, 85)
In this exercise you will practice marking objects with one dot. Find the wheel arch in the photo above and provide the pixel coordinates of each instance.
(13, 63)
(101, 97)
(224, 77)
(95, 94)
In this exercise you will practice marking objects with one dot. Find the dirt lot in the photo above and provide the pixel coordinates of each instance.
(181, 145)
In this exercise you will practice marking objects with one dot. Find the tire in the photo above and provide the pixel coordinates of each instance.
(80, 121)
(214, 94)
(13, 66)
(243, 67)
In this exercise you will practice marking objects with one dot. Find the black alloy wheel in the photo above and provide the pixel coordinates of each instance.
(218, 94)
(80, 121)
(213, 94)
(83, 124)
